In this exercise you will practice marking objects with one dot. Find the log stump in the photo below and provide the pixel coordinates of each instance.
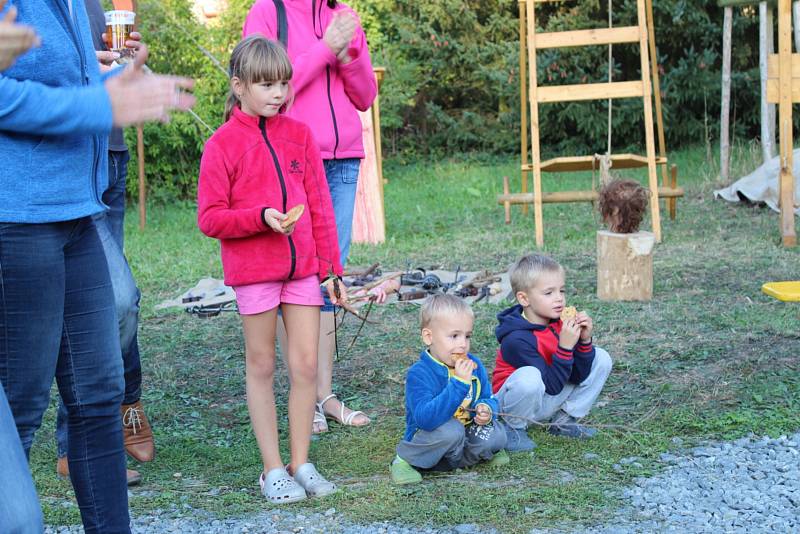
(625, 265)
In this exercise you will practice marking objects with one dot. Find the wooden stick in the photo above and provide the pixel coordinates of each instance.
(523, 106)
(767, 109)
(507, 205)
(788, 234)
(662, 144)
(366, 272)
(533, 98)
(725, 114)
(142, 185)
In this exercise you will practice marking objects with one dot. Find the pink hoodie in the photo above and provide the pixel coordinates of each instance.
(327, 92)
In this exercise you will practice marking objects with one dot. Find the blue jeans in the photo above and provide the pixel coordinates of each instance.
(110, 228)
(342, 175)
(58, 319)
(19, 506)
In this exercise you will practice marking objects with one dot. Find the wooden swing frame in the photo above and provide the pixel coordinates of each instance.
(531, 95)
(783, 88)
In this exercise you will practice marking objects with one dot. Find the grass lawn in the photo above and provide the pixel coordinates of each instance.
(710, 357)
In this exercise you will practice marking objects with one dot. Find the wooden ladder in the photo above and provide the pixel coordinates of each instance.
(594, 91)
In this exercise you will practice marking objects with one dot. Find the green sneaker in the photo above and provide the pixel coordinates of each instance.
(499, 459)
(403, 473)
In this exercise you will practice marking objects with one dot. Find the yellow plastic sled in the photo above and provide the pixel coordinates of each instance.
(785, 291)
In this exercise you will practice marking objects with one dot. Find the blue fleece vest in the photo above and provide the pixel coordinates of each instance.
(55, 116)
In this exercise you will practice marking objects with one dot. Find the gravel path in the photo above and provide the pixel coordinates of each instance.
(750, 485)
(188, 520)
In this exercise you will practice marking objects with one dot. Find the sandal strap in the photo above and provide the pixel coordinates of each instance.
(348, 421)
(321, 403)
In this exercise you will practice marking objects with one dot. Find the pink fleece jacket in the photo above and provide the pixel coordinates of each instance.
(327, 92)
(249, 164)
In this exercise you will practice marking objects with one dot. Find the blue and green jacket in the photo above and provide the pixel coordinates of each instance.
(433, 396)
(55, 117)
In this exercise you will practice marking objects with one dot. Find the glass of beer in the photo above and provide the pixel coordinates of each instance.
(119, 25)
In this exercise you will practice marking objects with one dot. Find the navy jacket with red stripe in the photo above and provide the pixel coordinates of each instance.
(523, 343)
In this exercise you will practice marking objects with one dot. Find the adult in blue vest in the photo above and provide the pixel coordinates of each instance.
(19, 508)
(57, 312)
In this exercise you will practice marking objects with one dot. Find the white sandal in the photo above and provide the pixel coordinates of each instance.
(319, 421)
(279, 487)
(342, 420)
(315, 484)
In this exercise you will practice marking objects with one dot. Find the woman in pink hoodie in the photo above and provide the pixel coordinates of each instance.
(333, 80)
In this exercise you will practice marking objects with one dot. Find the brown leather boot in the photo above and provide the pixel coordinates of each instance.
(62, 470)
(137, 432)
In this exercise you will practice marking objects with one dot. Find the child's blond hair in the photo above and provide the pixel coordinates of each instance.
(257, 59)
(526, 271)
(444, 304)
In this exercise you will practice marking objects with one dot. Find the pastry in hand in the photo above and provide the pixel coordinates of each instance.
(293, 215)
(570, 312)
(463, 356)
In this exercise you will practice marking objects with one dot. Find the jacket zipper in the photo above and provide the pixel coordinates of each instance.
(262, 124)
(333, 112)
(84, 75)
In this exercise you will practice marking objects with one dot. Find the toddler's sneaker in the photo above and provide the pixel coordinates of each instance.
(403, 473)
(518, 439)
(279, 487)
(315, 484)
(567, 426)
(499, 459)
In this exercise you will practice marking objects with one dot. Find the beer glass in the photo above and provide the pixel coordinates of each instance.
(119, 25)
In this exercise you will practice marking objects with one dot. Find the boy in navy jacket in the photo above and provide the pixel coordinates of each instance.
(449, 406)
(546, 368)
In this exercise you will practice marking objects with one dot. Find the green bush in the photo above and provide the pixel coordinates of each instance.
(452, 81)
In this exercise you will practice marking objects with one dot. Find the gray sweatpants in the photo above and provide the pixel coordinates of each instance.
(523, 394)
(452, 445)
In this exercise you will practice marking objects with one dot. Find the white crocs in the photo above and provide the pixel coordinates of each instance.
(280, 488)
(315, 484)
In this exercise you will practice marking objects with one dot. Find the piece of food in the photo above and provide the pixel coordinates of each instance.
(293, 215)
(462, 356)
(570, 312)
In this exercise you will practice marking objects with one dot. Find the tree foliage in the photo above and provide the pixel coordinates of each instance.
(452, 81)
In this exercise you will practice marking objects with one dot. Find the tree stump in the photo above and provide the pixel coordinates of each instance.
(625, 265)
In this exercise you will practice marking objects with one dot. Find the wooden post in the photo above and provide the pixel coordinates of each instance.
(380, 72)
(523, 106)
(507, 204)
(536, 157)
(673, 206)
(767, 110)
(655, 214)
(662, 143)
(725, 114)
(142, 186)
(625, 265)
(788, 234)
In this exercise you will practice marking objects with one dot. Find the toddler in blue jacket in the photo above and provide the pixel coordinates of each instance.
(450, 411)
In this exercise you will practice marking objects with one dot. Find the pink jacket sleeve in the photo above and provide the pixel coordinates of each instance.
(358, 76)
(323, 223)
(215, 217)
(308, 65)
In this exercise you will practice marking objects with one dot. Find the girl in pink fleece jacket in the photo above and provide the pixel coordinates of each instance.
(333, 80)
(255, 168)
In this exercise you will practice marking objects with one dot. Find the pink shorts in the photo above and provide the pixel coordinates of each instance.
(261, 297)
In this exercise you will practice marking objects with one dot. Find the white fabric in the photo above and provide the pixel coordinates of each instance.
(763, 185)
